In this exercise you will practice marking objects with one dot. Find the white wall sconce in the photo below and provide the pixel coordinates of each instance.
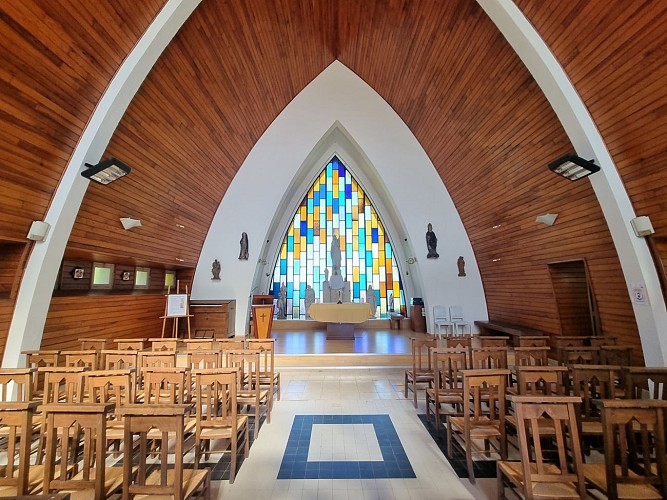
(547, 219)
(642, 226)
(38, 230)
(129, 222)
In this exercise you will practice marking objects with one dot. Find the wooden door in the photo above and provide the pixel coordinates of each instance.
(575, 301)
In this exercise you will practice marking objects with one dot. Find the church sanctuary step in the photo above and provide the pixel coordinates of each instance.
(343, 360)
(307, 324)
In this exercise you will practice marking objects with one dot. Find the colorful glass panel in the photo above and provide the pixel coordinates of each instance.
(336, 202)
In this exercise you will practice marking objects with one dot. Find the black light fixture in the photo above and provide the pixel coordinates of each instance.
(573, 167)
(106, 171)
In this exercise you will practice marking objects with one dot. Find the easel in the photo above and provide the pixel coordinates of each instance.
(179, 309)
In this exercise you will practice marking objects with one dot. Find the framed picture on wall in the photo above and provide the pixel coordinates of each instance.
(125, 276)
(77, 273)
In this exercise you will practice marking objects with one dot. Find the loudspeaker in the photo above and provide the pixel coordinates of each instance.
(38, 230)
(642, 226)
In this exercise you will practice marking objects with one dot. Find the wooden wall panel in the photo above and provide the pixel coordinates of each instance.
(103, 316)
(223, 79)
(57, 59)
(490, 132)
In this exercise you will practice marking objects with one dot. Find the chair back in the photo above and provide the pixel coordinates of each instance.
(131, 344)
(85, 359)
(531, 413)
(591, 383)
(215, 390)
(634, 447)
(640, 382)
(94, 344)
(164, 344)
(616, 355)
(421, 355)
(40, 359)
(487, 391)
(200, 359)
(15, 421)
(448, 365)
(198, 344)
(541, 380)
(492, 340)
(456, 313)
(603, 340)
(531, 356)
(533, 341)
(86, 425)
(268, 348)
(111, 386)
(440, 313)
(166, 385)
(153, 478)
(62, 384)
(489, 358)
(247, 362)
(579, 355)
(157, 359)
(22, 378)
(120, 359)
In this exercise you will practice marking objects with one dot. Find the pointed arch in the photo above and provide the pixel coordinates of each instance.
(337, 203)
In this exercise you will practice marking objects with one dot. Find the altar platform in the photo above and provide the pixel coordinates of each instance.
(371, 347)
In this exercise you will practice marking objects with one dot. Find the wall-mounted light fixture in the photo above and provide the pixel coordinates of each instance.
(129, 222)
(38, 230)
(106, 171)
(642, 226)
(548, 219)
(573, 167)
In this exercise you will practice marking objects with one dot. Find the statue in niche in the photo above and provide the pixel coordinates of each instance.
(431, 243)
(310, 298)
(390, 302)
(371, 299)
(282, 302)
(243, 254)
(461, 263)
(326, 274)
(215, 270)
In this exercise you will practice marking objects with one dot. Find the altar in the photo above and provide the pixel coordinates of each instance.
(340, 318)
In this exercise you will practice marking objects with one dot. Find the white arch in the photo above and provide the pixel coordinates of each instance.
(633, 252)
(34, 297)
(380, 146)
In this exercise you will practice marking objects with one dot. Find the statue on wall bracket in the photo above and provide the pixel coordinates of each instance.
(461, 263)
(431, 243)
(215, 270)
(243, 254)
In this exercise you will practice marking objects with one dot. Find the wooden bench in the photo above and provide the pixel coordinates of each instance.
(502, 328)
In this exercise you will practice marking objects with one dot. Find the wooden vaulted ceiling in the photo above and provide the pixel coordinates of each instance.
(442, 66)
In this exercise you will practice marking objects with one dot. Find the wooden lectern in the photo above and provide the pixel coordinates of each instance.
(262, 320)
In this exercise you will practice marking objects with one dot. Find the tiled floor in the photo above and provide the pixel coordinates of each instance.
(335, 419)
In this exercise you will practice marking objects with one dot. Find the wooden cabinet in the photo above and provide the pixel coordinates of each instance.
(213, 318)
(417, 319)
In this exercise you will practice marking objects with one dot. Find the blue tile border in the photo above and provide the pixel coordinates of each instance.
(295, 464)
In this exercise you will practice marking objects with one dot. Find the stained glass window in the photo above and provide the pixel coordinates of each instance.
(336, 202)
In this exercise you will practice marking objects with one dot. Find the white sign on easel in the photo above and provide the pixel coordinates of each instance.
(638, 293)
(177, 305)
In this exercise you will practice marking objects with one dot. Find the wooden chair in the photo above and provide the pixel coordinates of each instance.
(115, 387)
(635, 466)
(461, 342)
(640, 382)
(162, 479)
(590, 383)
(200, 359)
(40, 359)
(169, 386)
(249, 390)
(484, 420)
(579, 355)
(198, 344)
(85, 359)
(226, 345)
(217, 416)
(20, 380)
(268, 376)
(531, 356)
(603, 340)
(447, 389)
(492, 341)
(422, 369)
(164, 344)
(120, 359)
(534, 477)
(94, 344)
(84, 423)
(616, 355)
(533, 341)
(131, 344)
(15, 477)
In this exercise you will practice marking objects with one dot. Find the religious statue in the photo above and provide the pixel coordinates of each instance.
(371, 299)
(335, 252)
(461, 263)
(243, 254)
(215, 270)
(390, 302)
(431, 243)
(310, 298)
(282, 302)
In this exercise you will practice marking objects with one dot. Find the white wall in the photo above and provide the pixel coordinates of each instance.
(385, 157)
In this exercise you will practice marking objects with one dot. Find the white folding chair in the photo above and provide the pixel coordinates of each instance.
(441, 319)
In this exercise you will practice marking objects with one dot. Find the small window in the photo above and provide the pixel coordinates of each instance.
(142, 277)
(102, 275)
(169, 279)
